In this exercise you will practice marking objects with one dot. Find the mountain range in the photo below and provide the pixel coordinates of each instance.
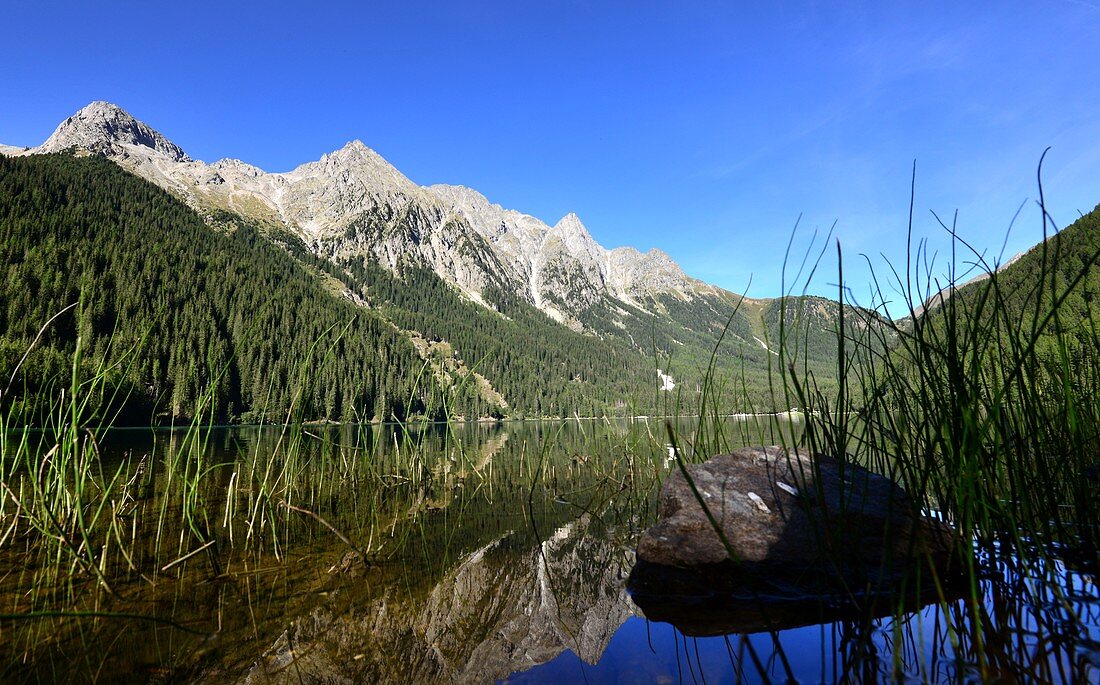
(476, 290)
(353, 203)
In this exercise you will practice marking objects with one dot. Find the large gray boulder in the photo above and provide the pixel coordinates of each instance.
(785, 512)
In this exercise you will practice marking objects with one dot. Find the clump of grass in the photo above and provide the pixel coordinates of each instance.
(982, 403)
(54, 487)
(976, 402)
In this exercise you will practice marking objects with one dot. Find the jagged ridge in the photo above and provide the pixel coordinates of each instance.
(350, 201)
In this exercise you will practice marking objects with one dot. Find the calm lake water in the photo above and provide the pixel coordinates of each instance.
(498, 553)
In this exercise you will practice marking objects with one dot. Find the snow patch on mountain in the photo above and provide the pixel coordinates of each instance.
(665, 381)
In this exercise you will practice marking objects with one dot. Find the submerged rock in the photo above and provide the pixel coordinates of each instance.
(794, 525)
(352, 564)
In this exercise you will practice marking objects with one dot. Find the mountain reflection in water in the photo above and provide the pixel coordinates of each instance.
(509, 606)
(509, 564)
(519, 612)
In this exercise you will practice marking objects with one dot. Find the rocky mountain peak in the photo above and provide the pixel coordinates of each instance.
(352, 203)
(355, 153)
(358, 164)
(354, 149)
(105, 128)
(571, 224)
(229, 164)
(464, 198)
(577, 240)
(658, 256)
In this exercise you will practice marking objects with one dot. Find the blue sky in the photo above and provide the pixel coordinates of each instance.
(702, 128)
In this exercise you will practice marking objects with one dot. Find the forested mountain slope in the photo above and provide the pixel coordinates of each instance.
(395, 299)
(1064, 269)
(195, 304)
(223, 306)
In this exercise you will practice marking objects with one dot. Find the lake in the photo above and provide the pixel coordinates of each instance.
(494, 553)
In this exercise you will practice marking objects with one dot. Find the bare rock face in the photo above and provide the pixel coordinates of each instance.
(788, 514)
(107, 129)
(353, 203)
(561, 269)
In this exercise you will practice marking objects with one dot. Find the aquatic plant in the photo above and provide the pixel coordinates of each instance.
(982, 402)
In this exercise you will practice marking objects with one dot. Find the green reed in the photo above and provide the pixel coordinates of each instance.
(983, 405)
(147, 516)
(983, 402)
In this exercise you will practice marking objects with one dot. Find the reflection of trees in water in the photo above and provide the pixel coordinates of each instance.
(462, 591)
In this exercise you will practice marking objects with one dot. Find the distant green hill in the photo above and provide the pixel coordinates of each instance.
(1069, 253)
(1022, 294)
